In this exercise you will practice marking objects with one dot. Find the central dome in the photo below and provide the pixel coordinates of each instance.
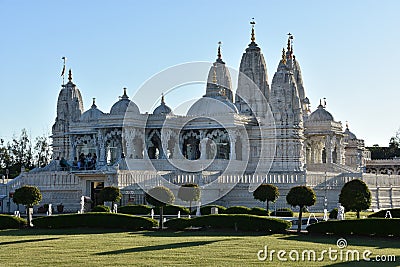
(207, 106)
(321, 115)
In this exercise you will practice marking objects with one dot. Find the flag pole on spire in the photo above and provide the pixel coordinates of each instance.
(63, 70)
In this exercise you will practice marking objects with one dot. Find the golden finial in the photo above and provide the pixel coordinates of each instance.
(70, 75)
(162, 98)
(283, 56)
(215, 74)
(253, 36)
(219, 50)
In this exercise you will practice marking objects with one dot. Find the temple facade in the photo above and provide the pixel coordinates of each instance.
(229, 141)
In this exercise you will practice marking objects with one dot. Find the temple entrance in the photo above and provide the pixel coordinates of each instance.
(95, 188)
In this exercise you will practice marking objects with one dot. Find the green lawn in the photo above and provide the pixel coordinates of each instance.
(90, 247)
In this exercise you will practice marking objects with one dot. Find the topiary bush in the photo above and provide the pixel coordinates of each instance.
(259, 211)
(283, 212)
(173, 210)
(95, 220)
(135, 209)
(373, 226)
(382, 213)
(241, 222)
(12, 222)
(206, 210)
(333, 213)
(238, 210)
(178, 223)
(101, 208)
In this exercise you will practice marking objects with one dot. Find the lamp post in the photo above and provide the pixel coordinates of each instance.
(7, 196)
(2, 201)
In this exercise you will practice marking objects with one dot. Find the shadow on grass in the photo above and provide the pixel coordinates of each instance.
(66, 231)
(368, 241)
(159, 247)
(170, 233)
(27, 241)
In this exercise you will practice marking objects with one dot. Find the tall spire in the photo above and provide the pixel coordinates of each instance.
(289, 46)
(219, 55)
(253, 35)
(70, 75)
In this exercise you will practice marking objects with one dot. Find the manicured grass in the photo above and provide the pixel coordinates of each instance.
(89, 247)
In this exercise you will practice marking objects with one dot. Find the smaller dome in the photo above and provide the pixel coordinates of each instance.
(321, 114)
(92, 114)
(350, 135)
(207, 106)
(162, 109)
(121, 106)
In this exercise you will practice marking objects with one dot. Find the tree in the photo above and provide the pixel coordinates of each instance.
(159, 197)
(42, 151)
(266, 192)
(355, 196)
(110, 193)
(22, 150)
(27, 196)
(301, 196)
(189, 193)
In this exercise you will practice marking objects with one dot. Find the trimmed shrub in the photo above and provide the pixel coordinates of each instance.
(238, 210)
(173, 210)
(135, 209)
(373, 226)
(101, 208)
(11, 222)
(333, 213)
(178, 223)
(95, 220)
(241, 222)
(259, 211)
(284, 212)
(206, 210)
(382, 213)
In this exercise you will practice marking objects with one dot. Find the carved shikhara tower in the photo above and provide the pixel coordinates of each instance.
(69, 109)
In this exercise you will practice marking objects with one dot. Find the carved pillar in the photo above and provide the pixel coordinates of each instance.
(328, 149)
(232, 141)
(203, 148)
(102, 148)
(72, 153)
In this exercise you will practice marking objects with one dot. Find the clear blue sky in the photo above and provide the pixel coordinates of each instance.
(348, 51)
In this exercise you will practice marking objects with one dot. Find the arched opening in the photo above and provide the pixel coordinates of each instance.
(323, 155)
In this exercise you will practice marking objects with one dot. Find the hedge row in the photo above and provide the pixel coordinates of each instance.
(95, 220)
(284, 212)
(11, 222)
(382, 213)
(205, 210)
(145, 210)
(242, 222)
(373, 226)
(135, 209)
